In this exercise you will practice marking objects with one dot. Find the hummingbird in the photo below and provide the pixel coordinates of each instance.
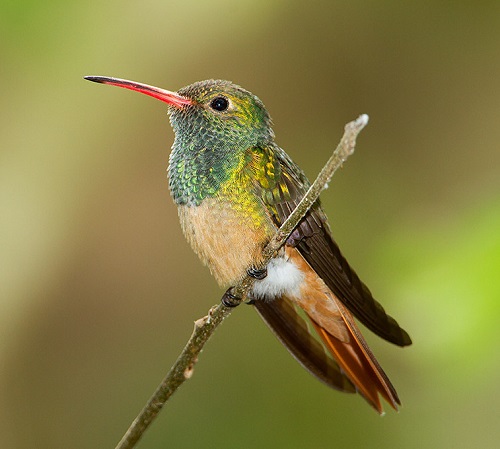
(234, 186)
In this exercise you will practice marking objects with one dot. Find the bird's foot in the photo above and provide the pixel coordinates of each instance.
(257, 274)
(230, 300)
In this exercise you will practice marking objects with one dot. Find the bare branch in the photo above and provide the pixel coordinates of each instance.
(206, 326)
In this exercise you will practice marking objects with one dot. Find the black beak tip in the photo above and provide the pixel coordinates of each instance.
(96, 79)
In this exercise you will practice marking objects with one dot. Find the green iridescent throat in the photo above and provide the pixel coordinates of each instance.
(196, 174)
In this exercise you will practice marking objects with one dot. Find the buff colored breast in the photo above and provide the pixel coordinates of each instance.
(224, 238)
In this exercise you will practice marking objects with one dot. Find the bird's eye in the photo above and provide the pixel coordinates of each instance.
(219, 104)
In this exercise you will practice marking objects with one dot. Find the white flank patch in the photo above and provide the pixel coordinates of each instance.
(283, 278)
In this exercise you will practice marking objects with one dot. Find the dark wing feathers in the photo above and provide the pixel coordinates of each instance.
(347, 286)
(313, 239)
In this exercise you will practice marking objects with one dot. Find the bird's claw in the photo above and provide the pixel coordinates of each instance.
(230, 300)
(256, 273)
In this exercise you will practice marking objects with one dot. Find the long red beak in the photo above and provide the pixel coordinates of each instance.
(161, 94)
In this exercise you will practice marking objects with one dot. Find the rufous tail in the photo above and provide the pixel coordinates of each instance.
(359, 364)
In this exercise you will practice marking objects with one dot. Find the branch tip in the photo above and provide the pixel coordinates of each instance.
(362, 120)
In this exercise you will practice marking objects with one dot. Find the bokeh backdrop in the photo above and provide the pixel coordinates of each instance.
(99, 290)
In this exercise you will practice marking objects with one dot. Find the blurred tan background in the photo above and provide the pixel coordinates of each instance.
(99, 290)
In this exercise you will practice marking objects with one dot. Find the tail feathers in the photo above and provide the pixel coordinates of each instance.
(359, 364)
(292, 330)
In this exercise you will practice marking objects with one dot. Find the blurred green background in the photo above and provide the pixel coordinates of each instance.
(99, 290)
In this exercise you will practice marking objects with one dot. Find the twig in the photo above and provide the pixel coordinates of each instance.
(205, 327)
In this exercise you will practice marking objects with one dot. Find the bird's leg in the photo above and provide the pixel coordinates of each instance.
(256, 273)
(230, 300)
